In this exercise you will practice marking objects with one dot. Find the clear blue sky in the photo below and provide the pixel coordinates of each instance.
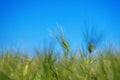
(25, 23)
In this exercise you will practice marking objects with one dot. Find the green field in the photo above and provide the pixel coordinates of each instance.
(51, 64)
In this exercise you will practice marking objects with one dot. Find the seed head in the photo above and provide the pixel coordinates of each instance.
(90, 47)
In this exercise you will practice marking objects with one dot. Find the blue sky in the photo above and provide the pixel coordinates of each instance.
(24, 24)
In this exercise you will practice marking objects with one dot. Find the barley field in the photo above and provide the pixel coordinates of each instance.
(66, 64)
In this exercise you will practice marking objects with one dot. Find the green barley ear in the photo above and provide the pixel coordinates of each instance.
(90, 47)
(27, 63)
(65, 45)
(92, 38)
(25, 70)
(60, 37)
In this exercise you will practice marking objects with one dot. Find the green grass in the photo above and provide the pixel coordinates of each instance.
(46, 64)
(49, 67)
